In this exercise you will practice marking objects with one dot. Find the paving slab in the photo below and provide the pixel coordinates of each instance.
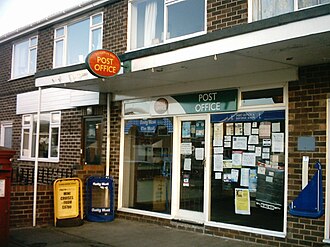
(118, 233)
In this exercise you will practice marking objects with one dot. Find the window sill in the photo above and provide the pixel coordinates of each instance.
(168, 41)
(21, 77)
(246, 229)
(39, 160)
(143, 212)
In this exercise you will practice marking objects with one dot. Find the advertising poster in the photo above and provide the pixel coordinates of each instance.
(67, 199)
(242, 201)
(2, 187)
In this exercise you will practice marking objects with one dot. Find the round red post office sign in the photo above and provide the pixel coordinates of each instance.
(103, 63)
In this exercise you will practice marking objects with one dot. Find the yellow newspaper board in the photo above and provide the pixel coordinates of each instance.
(66, 198)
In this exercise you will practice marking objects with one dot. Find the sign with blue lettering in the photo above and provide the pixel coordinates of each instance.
(149, 125)
(256, 116)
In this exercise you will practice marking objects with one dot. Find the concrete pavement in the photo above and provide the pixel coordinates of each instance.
(118, 233)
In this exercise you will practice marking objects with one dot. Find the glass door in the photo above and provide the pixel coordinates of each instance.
(192, 139)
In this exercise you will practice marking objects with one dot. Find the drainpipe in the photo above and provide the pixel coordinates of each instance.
(107, 169)
(35, 183)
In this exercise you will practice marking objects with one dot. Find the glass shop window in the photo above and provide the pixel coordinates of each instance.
(148, 164)
(262, 97)
(248, 166)
(93, 141)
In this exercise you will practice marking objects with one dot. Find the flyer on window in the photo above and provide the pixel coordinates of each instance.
(186, 130)
(242, 201)
(200, 128)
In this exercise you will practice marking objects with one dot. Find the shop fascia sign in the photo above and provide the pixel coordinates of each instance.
(103, 63)
(203, 102)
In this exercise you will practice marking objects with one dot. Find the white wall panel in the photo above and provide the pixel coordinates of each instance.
(55, 99)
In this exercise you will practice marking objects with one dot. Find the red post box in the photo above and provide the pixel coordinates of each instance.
(5, 179)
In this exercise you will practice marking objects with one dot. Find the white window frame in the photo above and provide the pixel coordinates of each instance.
(31, 47)
(4, 125)
(29, 126)
(327, 176)
(256, 3)
(176, 147)
(65, 34)
(256, 88)
(165, 31)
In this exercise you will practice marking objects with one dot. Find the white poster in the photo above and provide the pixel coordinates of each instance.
(276, 127)
(186, 148)
(187, 164)
(258, 151)
(218, 134)
(218, 150)
(234, 175)
(237, 158)
(238, 129)
(264, 129)
(218, 163)
(245, 177)
(217, 175)
(261, 170)
(249, 159)
(253, 139)
(247, 129)
(2, 187)
(199, 153)
(230, 129)
(240, 142)
(278, 142)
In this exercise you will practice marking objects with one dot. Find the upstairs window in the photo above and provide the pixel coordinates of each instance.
(24, 57)
(262, 9)
(74, 41)
(310, 3)
(154, 22)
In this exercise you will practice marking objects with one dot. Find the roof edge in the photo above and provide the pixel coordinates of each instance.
(55, 18)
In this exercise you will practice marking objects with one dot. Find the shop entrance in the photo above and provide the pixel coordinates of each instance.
(193, 149)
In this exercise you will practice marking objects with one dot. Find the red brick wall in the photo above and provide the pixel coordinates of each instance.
(223, 14)
(45, 49)
(70, 143)
(21, 206)
(115, 27)
(307, 117)
(5, 67)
